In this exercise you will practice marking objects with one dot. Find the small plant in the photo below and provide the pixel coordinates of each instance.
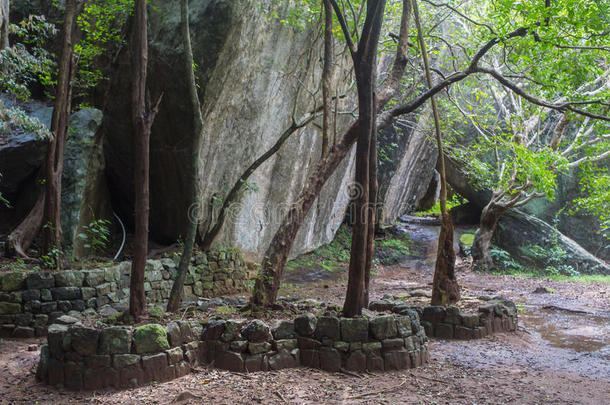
(225, 311)
(503, 260)
(51, 259)
(156, 312)
(96, 235)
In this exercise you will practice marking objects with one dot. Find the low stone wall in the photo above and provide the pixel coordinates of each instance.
(450, 323)
(30, 301)
(78, 357)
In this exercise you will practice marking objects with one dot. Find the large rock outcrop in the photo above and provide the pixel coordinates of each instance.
(407, 166)
(251, 70)
(517, 232)
(22, 155)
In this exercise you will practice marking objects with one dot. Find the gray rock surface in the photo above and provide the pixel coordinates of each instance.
(244, 59)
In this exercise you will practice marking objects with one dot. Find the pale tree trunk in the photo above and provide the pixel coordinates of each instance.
(445, 289)
(60, 120)
(481, 247)
(142, 120)
(193, 181)
(4, 23)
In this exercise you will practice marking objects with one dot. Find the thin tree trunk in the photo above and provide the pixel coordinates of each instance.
(481, 247)
(326, 72)
(4, 23)
(142, 123)
(445, 289)
(59, 129)
(193, 214)
(372, 213)
(365, 67)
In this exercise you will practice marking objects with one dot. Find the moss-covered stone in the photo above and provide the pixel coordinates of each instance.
(151, 338)
(8, 308)
(115, 340)
(13, 281)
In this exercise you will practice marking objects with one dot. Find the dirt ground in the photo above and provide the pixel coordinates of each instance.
(539, 364)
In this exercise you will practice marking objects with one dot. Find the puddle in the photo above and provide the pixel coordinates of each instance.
(575, 331)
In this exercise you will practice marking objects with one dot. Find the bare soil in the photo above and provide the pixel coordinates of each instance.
(535, 365)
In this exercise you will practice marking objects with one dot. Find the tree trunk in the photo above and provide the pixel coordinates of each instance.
(51, 238)
(4, 23)
(445, 289)
(20, 239)
(267, 282)
(372, 212)
(193, 182)
(142, 123)
(365, 68)
(326, 71)
(481, 247)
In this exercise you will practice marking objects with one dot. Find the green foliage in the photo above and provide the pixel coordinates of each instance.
(553, 258)
(16, 120)
(102, 23)
(329, 257)
(50, 259)
(455, 201)
(27, 61)
(225, 311)
(392, 249)
(504, 261)
(156, 313)
(596, 199)
(96, 235)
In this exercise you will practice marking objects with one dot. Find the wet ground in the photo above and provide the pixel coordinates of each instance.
(557, 356)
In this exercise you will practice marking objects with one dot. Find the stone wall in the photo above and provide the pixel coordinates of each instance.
(29, 301)
(451, 323)
(79, 357)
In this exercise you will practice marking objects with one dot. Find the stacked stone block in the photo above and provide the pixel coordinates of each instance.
(81, 358)
(30, 301)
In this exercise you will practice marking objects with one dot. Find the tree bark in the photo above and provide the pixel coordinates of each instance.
(481, 247)
(4, 23)
(193, 182)
(445, 289)
(372, 219)
(21, 238)
(366, 78)
(51, 238)
(142, 122)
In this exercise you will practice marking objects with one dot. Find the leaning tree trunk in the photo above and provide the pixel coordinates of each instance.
(142, 120)
(445, 289)
(20, 239)
(193, 181)
(4, 23)
(267, 282)
(481, 247)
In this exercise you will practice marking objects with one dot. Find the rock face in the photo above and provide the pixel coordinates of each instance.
(406, 167)
(517, 231)
(248, 65)
(22, 155)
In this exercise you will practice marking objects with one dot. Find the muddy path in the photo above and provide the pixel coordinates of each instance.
(556, 356)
